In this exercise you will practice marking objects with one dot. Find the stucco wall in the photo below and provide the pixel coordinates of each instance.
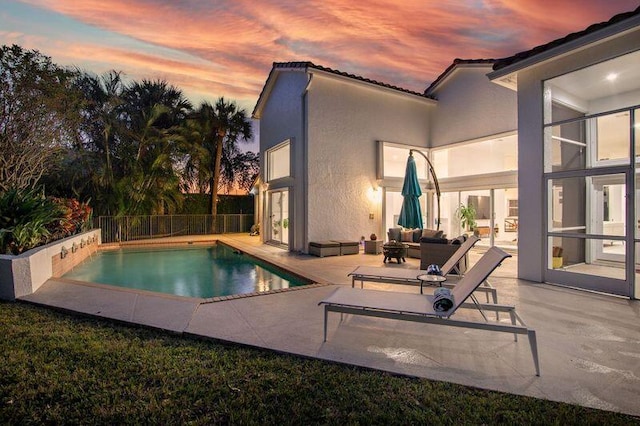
(282, 119)
(470, 106)
(282, 114)
(346, 121)
(531, 230)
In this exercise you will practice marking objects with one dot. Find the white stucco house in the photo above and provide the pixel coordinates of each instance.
(542, 143)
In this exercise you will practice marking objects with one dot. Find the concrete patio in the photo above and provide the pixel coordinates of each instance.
(589, 344)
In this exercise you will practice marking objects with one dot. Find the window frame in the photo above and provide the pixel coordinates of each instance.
(269, 159)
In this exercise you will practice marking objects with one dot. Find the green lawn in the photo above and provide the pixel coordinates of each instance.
(59, 368)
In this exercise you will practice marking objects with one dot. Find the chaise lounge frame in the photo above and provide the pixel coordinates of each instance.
(419, 308)
(389, 275)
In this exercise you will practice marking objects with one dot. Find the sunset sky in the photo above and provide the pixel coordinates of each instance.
(212, 48)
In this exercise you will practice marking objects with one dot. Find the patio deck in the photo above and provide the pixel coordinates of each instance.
(589, 344)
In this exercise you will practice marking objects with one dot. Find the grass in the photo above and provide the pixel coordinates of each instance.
(64, 369)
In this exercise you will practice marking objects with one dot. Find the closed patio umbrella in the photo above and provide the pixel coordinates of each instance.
(411, 213)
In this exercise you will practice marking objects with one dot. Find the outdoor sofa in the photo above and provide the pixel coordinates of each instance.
(412, 237)
(430, 246)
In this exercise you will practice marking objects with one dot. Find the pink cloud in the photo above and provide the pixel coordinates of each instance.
(233, 43)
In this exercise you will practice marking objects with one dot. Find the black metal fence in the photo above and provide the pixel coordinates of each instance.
(132, 228)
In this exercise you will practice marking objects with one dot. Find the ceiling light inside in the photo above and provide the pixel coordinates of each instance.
(612, 76)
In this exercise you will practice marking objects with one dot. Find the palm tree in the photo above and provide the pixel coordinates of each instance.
(153, 111)
(125, 150)
(212, 130)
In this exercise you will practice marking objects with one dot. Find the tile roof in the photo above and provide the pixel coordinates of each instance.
(308, 64)
(505, 62)
(456, 62)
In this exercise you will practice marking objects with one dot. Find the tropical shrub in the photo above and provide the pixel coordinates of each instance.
(24, 215)
(28, 219)
(25, 236)
(75, 218)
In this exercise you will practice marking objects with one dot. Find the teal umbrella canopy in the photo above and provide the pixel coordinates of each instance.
(411, 213)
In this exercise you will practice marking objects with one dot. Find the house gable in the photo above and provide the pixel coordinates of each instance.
(311, 68)
(346, 122)
(466, 95)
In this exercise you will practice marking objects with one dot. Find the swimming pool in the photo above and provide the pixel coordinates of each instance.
(192, 271)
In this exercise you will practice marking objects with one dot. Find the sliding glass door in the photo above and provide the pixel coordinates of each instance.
(491, 214)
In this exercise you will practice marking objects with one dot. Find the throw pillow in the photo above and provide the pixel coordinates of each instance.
(394, 234)
(407, 236)
(417, 234)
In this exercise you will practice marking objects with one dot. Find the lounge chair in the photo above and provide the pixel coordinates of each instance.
(388, 275)
(419, 308)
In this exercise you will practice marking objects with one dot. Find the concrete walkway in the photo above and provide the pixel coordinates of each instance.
(589, 344)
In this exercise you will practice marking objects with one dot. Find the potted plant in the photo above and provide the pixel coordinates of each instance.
(467, 216)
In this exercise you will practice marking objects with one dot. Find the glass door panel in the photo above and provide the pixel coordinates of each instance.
(588, 221)
(495, 215)
(480, 206)
(609, 217)
(279, 217)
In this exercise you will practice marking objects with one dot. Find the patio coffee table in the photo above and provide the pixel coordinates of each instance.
(394, 251)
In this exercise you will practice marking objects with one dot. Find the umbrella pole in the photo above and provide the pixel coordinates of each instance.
(436, 184)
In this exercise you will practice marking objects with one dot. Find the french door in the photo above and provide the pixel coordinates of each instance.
(278, 224)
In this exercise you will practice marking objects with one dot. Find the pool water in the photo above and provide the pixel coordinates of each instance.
(186, 271)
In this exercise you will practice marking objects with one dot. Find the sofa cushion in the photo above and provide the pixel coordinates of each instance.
(432, 233)
(417, 234)
(324, 244)
(406, 236)
(434, 240)
(394, 234)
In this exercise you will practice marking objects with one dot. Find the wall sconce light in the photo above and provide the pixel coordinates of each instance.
(374, 194)
(63, 252)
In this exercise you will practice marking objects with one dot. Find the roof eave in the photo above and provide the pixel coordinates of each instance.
(310, 68)
(456, 65)
(416, 96)
(509, 73)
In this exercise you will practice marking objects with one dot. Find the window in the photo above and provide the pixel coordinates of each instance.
(585, 142)
(476, 158)
(394, 164)
(279, 161)
(589, 139)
